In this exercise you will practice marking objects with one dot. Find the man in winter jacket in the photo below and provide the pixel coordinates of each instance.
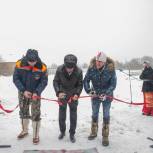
(147, 88)
(101, 74)
(68, 86)
(30, 77)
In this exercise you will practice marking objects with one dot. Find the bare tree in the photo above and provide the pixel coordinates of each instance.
(119, 65)
(54, 66)
(134, 64)
(84, 65)
(147, 58)
(1, 60)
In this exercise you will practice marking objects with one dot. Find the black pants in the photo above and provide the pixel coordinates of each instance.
(73, 117)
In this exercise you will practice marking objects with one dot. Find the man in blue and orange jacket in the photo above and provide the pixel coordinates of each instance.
(31, 78)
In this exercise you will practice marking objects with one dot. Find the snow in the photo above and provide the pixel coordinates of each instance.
(128, 129)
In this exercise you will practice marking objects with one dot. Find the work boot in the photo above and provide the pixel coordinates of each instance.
(105, 134)
(94, 130)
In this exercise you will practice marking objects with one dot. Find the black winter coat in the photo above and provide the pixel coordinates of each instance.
(147, 76)
(32, 79)
(69, 84)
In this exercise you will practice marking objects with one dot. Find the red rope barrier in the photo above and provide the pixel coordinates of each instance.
(119, 100)
(7, 110)
(69, 101)
(10, 111)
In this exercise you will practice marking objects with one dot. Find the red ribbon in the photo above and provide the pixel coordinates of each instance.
(60, 103)
(119, 100)
(10, 111)
(110, 97)
(69, 101)
(7, 110)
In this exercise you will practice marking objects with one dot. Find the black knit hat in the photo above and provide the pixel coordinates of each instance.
(32, 55)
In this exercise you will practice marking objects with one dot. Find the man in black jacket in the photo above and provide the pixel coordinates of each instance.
(68, 86)
(30, 77)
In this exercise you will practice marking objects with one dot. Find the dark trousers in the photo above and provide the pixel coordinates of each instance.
(73, 116)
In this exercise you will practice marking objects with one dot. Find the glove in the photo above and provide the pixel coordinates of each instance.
(102, 97)
(27, 94)
(61, 95)
(75, 97)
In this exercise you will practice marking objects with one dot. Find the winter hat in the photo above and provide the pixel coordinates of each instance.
(70, 61)
(101, 57)
(32, 55)
(146, 63)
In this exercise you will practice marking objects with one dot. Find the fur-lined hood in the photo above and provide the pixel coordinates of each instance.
(109, 62)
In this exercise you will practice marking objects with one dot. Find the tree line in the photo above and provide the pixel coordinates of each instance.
(133, 64)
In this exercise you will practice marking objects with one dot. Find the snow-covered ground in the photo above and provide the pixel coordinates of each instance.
(128, 128)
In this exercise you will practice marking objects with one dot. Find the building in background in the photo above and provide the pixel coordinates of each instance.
(6, 68)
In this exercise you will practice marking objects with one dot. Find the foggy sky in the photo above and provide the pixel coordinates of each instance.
(123, 29)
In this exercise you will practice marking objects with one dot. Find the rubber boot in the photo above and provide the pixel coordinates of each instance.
(36, 127)
(24, 132)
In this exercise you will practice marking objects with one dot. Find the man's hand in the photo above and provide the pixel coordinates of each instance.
(75, 97)
(61, 95)
(92, 94)
(102, 97)
(27, 94)
(34, 96)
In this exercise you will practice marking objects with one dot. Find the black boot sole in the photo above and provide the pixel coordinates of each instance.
(61, 137)
(105, 145)
(92, 138)
(73, 140)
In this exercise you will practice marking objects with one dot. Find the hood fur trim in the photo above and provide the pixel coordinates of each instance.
(109, 62)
